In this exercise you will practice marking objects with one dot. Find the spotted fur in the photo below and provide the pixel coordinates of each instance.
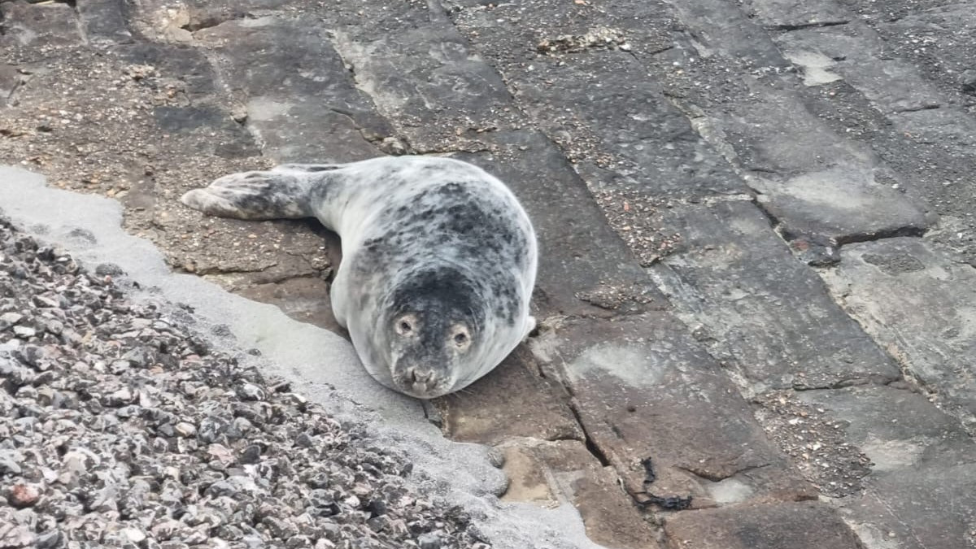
(426, 236)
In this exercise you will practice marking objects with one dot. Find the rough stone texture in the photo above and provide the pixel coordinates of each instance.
(41, 26)
(798, 525)
(607, 510)
(793, 14)
(915, 76)
(104, 21)
(299, 98)
(921, 492)
(643, 389)
(762, 313)
(920, 306)
(514, 402)
(814, 183)
(601, 124)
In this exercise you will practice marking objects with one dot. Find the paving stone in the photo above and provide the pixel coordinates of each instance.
(930, 150)
(793, 14)
(300, 100)
(922, 489)
(608, 512)
(38, 25)
(620, 131)
(643, 389)
(652, 144)
(10, 80)
(919, 305)
(515, 401)
(811, 180)
(418, 68)
(857, 53)
(187, 65)
(719, 27)
(757, 308)
(104, 21)
(941, 42)
(305, 299)
(806, 525)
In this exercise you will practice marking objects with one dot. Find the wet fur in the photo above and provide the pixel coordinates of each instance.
(410, 226)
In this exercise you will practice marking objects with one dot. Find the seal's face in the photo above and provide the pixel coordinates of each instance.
(434, 333)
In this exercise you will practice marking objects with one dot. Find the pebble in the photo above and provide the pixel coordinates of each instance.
(24, 495)
(174, 444)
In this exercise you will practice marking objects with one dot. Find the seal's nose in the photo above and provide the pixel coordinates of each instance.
(421, 378)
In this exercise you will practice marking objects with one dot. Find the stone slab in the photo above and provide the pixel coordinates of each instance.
(857, 53)
(10, 80)
(758, 309)
(811, 180)
(38, 25)
(299, 98)
(598, 102)
(806, 525)
(514, 401)
(721, 29)
(793, 14)
(609, 513)
(920, 306)
(413, 62)
(104, 21)
(643, 389)
(921, 492)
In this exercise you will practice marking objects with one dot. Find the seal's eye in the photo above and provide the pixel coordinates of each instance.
(404, 327)
(461, 338)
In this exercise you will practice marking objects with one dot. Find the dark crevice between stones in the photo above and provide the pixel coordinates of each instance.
(200, 20)
(591, 446)
(801, 26)
(881, 235)
(927, 107)
(823, 251)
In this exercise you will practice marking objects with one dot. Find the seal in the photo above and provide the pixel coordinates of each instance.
(439, 260)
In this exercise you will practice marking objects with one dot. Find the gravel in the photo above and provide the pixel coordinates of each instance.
(119, 427)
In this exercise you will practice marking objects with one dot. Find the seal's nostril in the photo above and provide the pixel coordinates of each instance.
(421, 376)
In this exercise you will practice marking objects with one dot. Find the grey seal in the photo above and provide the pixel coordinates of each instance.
(439, 260)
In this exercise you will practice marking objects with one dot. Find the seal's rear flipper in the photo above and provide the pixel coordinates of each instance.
(254, 195)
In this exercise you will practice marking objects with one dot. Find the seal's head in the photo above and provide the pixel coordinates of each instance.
(434, 331)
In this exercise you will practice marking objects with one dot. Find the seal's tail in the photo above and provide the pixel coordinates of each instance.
(282, 193)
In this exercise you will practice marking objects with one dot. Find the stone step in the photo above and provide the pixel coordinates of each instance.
(660, 409)
(757, 308)
(919, 305)
(806, 525)
(921, 490)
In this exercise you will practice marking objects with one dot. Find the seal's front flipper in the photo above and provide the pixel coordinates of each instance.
(254, 195)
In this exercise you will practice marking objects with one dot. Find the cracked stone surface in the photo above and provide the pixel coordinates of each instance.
(921, 306)
(764, 330)
(755, 220)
